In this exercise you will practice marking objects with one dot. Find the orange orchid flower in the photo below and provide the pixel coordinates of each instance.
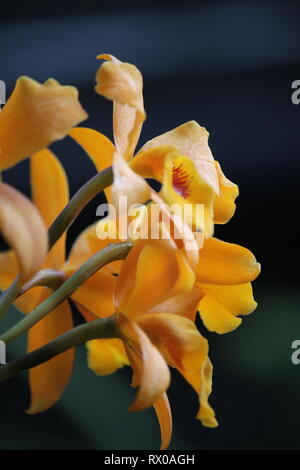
(153, 307)
(180, 159)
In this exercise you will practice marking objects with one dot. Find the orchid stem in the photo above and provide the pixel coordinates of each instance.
(100, 328)
(86, 270)
(80, 199)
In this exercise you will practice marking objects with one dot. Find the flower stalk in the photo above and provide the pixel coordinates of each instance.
(106, 328)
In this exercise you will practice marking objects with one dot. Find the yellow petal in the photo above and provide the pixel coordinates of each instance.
(122, 83)
(164, 416)
(96, 294)
(192, 141)
(224, 206)
(50, 194)
(221, 304)
(23, 229)
(105, 356)
(35, 116)
(140, 287)
(49, 380)
(85, 246)
(98, 147)
(216, 317)
(151, 372)
(183, 346)
(226, 263)
(238, 298)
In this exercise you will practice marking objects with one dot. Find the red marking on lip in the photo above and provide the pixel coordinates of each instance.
(181, 181)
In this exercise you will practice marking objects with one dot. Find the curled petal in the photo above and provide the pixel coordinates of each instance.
(224, 205)
(23, 229)
(151, 372)
(122, 83)
(35, 116)
(184, 348)
(226, 263)
(105, 356)
(192, 141)
(164, 416)
(221, 304)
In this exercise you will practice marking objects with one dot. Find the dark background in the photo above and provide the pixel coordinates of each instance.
(229, 65)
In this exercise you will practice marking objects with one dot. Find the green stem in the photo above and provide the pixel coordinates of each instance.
(86, 270)
(8, 296)
(106, 328)
(80, 199)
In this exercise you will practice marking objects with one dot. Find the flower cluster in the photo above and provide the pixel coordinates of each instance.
(149, 299)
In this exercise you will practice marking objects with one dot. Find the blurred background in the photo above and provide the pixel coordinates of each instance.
(228, 65)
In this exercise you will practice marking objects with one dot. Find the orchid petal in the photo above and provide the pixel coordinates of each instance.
(224, 206)
(191, 140)
(183, 347)
(35, 116)
(122, 83)
(220, 306)
(50, 194)
(226, 263)
(105, 356)
(96, 294)
(140, 287)
(98, 147)
(23, 229)
(164, 416)
(151, 372)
